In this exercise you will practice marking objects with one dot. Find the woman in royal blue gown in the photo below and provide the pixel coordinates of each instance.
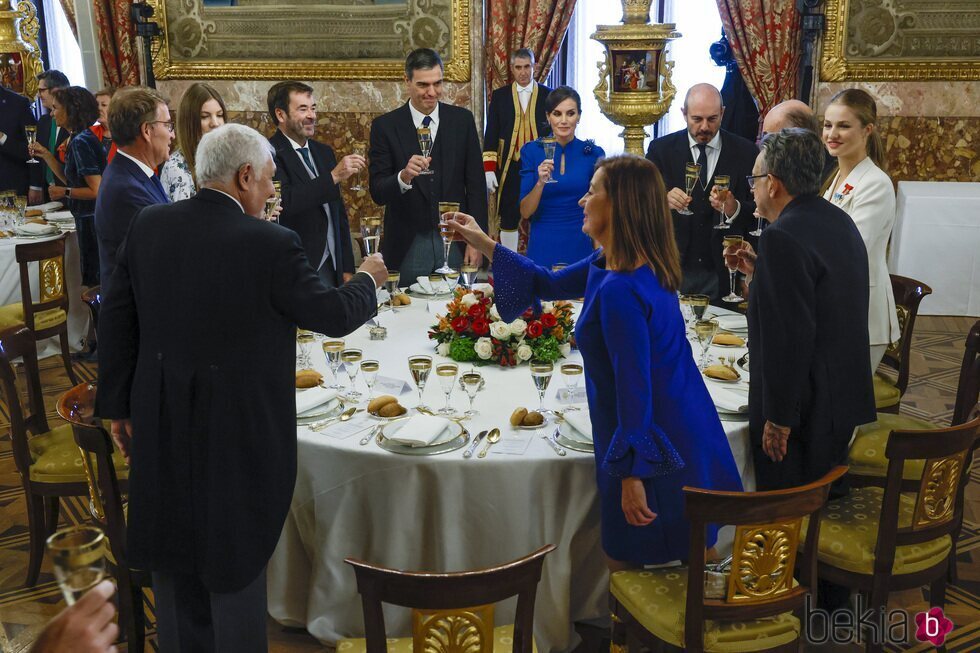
(654, 425)
(555, 234)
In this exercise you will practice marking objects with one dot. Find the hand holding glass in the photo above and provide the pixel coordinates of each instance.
(30, 131)
(359, 148)
(425, 144)
(78, 557)
(549, 145)
(692, 172)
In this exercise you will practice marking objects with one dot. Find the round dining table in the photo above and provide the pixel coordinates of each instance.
(444, 512)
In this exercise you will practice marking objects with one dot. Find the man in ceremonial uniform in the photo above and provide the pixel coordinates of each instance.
(516, 116)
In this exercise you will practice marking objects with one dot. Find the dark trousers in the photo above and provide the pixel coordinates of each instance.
(509, 198)
(190, 619)
(88, 249)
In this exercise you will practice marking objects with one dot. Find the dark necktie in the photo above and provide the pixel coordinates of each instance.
(159, 187)
(703, 162)
(426, 121)
(305, 153)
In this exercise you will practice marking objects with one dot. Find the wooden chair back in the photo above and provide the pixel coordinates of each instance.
(968, 387)
(908, 295)
(451, 605)
(17, 342)
(52, 284)
(767, 537)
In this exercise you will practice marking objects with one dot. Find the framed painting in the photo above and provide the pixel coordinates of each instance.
(901, 40)
(307, 39)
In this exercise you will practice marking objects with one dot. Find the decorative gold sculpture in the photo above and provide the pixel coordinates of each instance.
(20, 56)
(763, 561)
(634, 87)
(937, 491)
(466, 630)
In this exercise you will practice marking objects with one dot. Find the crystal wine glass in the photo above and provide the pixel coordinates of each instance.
(472, 382)
(699, 305)
(468, 277)
(351, 359)
(78, 557)
(692, 172)
(731, 297)
(549, 145)
(723, 183)
(571, 374)
(419, 367)
(305, 340)
(541, 372)
(370, 369)
(446, 232)
(425, 144)
(359, 148)
(758, 228)
(447, 373)
(391, 285)
(371, 232)
(30, 131)
(332, 350)
(705, 330)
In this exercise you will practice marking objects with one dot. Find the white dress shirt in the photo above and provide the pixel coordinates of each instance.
(417, 117)
(147, 170)
(331, 240)
(712, 153)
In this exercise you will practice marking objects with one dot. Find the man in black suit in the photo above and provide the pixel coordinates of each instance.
(49, 134)
(808, 324)
(412, 243)
(199, 330)
(15, 114)
(719, 153)
(515, 117)
(310, 176)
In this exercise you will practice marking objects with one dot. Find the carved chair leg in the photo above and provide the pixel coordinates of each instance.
(52, 508)
(38, 530)
(952, 574)
(66, 356)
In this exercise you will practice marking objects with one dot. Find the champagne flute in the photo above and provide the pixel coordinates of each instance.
(549, 154)
(371, 232)
(332, 350)
(731, 297)
(468, 277)
(705, 330)
(447, 373)
(758, 228)
(391, 285)
(692, 172)
(419, 367)
(305, 340)
(472, 382)
(272, 202)
(78, 557)
(541, 372)
(425, 144)
(370, 369)
(351, 359)
(723, 183)
(447, 233)
(571, 374)
(359, 148)
(30, 131)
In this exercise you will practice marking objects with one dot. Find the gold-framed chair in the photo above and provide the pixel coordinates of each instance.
(763, 604)
(909, 293)
(451, 612)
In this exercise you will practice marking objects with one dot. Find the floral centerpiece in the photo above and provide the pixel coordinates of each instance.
(472, 331)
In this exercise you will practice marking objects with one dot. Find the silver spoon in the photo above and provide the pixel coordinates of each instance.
(493, 437)
(343, 417)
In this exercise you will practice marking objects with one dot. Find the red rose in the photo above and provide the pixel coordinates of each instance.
(481, 327)
(477, 310)
(460, 324)
(486, 301)
(534, 329)
(527, 315)
(548, 320)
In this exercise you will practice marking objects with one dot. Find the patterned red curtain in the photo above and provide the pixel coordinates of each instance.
(69, 8)
(538, 25)
(117, 43)
(765, 39)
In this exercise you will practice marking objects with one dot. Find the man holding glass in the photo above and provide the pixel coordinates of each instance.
(15, 115)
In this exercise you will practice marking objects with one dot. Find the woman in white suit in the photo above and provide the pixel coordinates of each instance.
(862, 189)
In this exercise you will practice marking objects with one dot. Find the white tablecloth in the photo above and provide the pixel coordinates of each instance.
(78, 312)
(444, 513)
(936, 240)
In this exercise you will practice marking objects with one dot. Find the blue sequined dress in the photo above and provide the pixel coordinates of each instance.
(652, 416)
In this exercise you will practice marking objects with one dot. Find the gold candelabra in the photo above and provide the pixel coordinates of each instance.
(634, 87)
(20, 56)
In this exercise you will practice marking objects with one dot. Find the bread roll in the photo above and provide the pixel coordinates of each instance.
(534, 418)
(517, 417)
(38, 221)
(722, 372)
(728, 339)
(379, 402)
(308, 378)
(393, 409)
(33, 213)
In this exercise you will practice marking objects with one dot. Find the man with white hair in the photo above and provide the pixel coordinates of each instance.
(197, 377)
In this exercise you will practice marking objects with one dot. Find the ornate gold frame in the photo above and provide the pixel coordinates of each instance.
(835, 67)
(456, 68)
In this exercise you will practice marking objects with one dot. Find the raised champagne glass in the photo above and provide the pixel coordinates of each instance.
(447, 373)
(305, 339)
(571, 374)
(370, 369)
(549, 145)
(78, 559)
(705, 330)
(732, 297)
(332, 350)
(419, 367)
(447, 212)
(272, 202)
(541, 372)
(472, 382)
(30, 131)
(723, 183)
(692, 172)
(758, 227)
(425, 144)
(391, 285)
(359, 148)
(371, 233)
(352, 359)
(468, 277)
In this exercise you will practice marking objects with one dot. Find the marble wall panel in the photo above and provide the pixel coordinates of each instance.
(931, 148)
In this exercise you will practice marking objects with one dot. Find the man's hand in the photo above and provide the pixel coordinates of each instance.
(347, 276)
(56, 192)
(415, 165)
(35, 197)
(774, 441)
(634, 500)
(742, 257)
(349, 166)
(122, 434)
(677, 199)
(491, 182)
(85, 627)
(472, 256)
(727, 207)
(375, 266)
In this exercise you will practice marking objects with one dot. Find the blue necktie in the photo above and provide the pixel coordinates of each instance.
(159, 187)
(426, 121)
(305, 153)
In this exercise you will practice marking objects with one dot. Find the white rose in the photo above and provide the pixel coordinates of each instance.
(524, 352)
(443, 349)
(517, 327)
(565, 349)
(468, 300)
(483, 348)
(500, 330)
(547, 307)
(485, 288)
(494, 315)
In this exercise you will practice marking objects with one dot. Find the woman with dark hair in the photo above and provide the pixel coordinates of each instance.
(551, 187)
(201, 110)
(75, 109)
(654, 426)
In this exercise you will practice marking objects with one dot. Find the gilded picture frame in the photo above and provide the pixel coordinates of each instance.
(307, 39)
(901, 40)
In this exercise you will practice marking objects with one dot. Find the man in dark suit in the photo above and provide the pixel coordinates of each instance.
(515, 117)
(49, 134)
(310, 178)
(200, 328)
(808, 324)
(15, 114)
(412, 243)
(142, 130)
(719, 153)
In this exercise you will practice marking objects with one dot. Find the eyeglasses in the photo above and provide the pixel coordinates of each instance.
(169, 124)
(751, 179)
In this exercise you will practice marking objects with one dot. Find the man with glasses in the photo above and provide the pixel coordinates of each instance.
(49, 134)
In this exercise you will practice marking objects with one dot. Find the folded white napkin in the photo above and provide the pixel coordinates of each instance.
(420, 430)
(35, 229)
(425, 284)
(580, 421)
(728, 398)
(732, 322)
(307, 400)
(59, 216)
(49, 206)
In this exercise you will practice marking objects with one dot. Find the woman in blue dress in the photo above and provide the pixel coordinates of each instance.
(553, 208)
(654, 425)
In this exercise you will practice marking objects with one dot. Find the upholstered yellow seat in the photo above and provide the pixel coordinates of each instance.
(866, 456)
(56, 458)
(13, 314)
(849, 531)
(656, 599)
(886, 394)
(503, 642)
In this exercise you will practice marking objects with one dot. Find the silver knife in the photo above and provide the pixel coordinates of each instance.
(553, 442)
(371, 434)
(473, 445)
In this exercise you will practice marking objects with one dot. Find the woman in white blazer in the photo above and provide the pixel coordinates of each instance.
(862, 189)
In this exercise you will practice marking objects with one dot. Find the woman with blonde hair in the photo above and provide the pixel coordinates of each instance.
(862, 189)
(201, 110)
(653, 423)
